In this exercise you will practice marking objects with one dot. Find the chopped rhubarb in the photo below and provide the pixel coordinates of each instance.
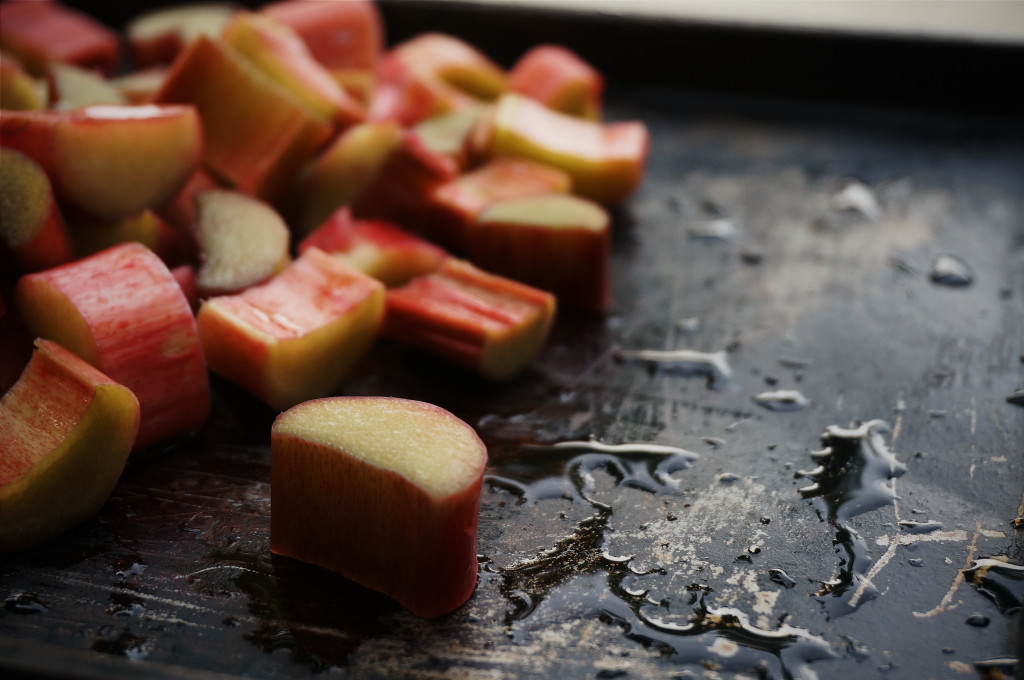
(66, 430)
(606, 162)
(559, 79)
(297, 336)
(31, 225)
(377, 248)
(455, 205)
(123, 312)
(40, 33)
(487, 323)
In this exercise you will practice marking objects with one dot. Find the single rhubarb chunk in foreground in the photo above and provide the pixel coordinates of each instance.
(40, 33)
(110, 161)
(65, 433)
(556, 242)
(377, 248)
(256, 134)
(606, 162)
(385, 492)
(242, 242)
(158, 36)
(486, 323)
(456, 204)
(560, 80)
(123, 312)
(31, 225)
(297, 336)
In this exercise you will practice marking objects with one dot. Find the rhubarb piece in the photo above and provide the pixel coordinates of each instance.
(298, 336)
(185, 275)
(123, 312)
(18, 90)
(30, 221)
(180, 211)
(606, 162)
(377, 248)
(557, 78)
(556, 242)
(448, 134)
(256, 134)
(487, 323)
(455, 205)
(158, 36)
(385, 492)
(280, 54)
(341, 173)
(65, 433)
(343, 35)
(402, 188)
(72, 87)
(242, 242)
(139, 87)
(90, 236)
(40, 33)
(453, 61)
(407, 95)
(110, 161)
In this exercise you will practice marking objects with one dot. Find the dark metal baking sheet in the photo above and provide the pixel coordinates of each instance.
(642, 565)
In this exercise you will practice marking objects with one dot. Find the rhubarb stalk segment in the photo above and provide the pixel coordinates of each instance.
(383, 491)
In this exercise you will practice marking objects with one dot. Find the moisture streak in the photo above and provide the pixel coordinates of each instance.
(853, 477)
(714, 366)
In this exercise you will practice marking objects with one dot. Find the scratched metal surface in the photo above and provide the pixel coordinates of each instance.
(611, 566)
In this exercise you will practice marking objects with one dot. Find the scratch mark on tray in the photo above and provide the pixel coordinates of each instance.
(894, 543)
(943, 604)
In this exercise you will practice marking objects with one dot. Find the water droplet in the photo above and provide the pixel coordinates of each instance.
(714, 366)
(751, 257)
(24, 603)
(753, 550)
(914, 527)
(713, 442)
(977, 620)
(720, 229)
(782, 400)
(781, 577)
(1016, 397)
(728, 478)
(949, 270)
(766, 520)
(689, 324)
(856, 196)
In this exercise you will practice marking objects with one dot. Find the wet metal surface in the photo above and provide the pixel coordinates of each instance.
(709, 547)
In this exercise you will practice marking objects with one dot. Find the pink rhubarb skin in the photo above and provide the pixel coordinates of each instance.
(383, 531)
(559, 79)
(43, 32)
(455, 205)
(297, 336)
(123, 311)
(377, 248)
(65, 433)
(486, 323)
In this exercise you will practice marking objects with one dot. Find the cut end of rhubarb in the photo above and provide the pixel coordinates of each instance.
(553, 211)
(242, 241)
(423, 443)
(383, 491)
